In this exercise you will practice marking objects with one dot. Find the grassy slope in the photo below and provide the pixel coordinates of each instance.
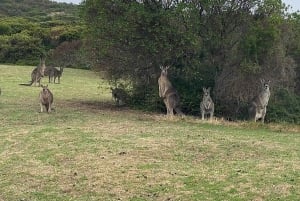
(89, 150)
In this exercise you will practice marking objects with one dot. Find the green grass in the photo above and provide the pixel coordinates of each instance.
(87, 149)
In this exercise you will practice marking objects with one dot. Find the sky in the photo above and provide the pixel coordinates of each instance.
(69, 1)
(295, 4)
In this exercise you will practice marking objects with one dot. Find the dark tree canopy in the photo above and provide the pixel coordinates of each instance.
(228, 45)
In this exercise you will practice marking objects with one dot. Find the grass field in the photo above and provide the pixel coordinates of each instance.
(88, 150)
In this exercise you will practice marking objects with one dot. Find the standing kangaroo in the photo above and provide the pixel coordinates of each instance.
(55, 73)
(258, 106)
(46, 99)
(207, 105)
(168, 93)
(38, 72)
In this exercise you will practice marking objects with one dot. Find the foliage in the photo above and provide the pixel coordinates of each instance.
(228, 45)
(285, 106)
(30, 28)
(36, 10)
(69, 54)
(294, 47)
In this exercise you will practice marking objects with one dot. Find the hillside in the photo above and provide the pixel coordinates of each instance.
(38, 10)
(30, 28)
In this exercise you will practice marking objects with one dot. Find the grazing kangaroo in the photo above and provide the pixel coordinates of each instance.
(258, 106)
(207, 105)
(168, 93)
(46, 99)
(47, 71)
(38, 72)
(55, 73)
(119, 95)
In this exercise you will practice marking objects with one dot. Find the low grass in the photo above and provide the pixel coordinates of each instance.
(88, 149)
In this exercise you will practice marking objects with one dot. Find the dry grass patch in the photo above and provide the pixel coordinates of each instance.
(88, 149)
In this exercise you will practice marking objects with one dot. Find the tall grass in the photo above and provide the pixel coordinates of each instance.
(88, 149)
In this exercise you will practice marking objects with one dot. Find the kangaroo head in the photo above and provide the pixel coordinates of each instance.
(164, 70)
(45, 88)
(206, 92)
(265, 84)
(42, 61)
(42, 65)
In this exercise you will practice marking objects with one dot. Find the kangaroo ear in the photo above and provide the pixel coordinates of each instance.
(203, 88)
(161, 67)
(167, 67)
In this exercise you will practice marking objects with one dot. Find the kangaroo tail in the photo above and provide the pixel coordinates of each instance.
(29, 84)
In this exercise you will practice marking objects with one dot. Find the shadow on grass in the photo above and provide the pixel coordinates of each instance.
(95, 106)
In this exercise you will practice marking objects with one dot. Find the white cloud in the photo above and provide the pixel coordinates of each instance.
(69, 1)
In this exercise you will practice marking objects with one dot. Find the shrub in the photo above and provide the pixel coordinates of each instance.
(284, 106)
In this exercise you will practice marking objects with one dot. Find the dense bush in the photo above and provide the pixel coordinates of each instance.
(226, 45)
(31, 28)
(284, 106)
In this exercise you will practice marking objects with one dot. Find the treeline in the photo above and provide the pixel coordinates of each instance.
(227, 45)
(30, 28)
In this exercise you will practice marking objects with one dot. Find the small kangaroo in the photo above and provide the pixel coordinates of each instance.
(38, 73)
(46, 99)
(168, 92)
(207, 105)
(55, 73)
(258, 106)
(119, 95)
(47, 71)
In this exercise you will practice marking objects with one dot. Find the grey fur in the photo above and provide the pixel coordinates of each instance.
(38, 73)
(258, 106)
(168, 93)
(207, 105)
(46, 99)
(47, 71)
(54, 73)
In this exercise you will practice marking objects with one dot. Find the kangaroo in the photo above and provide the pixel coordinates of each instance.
(55, 73)
(168, 93)
(47, 71)
(207, 105)
(258, 106)
(119, 95)
(38, 73)
(46, 99)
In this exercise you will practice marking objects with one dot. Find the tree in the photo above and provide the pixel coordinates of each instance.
(223, 44)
